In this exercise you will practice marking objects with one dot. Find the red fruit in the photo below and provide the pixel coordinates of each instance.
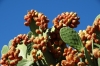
(89, 37)
(32, 38)
(51, 65)
(98, 54)
(65, 21)
(26, 38)
(45, 25)
(99, 21)
(11, 57)
(81, 55)
(39, 46)
(89, 27)
(29, 41)
(29, 20)
(20, 36)
(86, 61)
(43, 43)
(10, 52)
(97, 41)
(41, 38)
(14, 40)
(41, 27)
(16, 55)
(76, 59)
(95, 51)
(61, 23)
(99, 27)
(88, 45)
(74, 21)
(58, 64)
(56, 23)
(40, 14)
(39, 57)
(73, 51)
(25, 42)
(81, 64)
(58, 48)
(43, 17)
(82, 37)
(4, 56)
(23, 37)
(65, 50)
(92, 30)
(12, 63)
(64, 54)
(59, 53)
(17, 40)
(63, 62)
(29, 15)
(70, 57)
(72, 26)
(38, 41)
(34, 51)
(38, 23)
(67, 58)
(70, 49)
(35, 46)
(26, 23)
(35, 59)
(25, 17)
(2, 61)
(38, 31)
(94, 35)
(17, 51)
(44, 48)
(7, 62)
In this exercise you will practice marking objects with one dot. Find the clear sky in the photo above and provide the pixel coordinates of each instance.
(12, 14)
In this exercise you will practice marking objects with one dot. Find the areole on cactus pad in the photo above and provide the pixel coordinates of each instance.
(59, 45)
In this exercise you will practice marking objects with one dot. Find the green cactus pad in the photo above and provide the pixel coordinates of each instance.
(29, 34)
(88, 57)
(22, 49)
(97, 32)
(71, 37)
(10, 42)
(98, 61)
(5, 49)
(29, 46)
(98, 16)
(97, 45)
(33, 27)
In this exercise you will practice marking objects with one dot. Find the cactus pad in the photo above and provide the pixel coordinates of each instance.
(4, 49)
(71, 37)
(97, 17)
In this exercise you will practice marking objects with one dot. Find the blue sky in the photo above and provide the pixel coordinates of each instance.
(12, 14)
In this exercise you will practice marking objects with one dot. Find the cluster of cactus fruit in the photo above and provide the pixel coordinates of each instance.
(59, 45)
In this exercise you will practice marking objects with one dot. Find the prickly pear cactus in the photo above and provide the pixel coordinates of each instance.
(43, 46)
